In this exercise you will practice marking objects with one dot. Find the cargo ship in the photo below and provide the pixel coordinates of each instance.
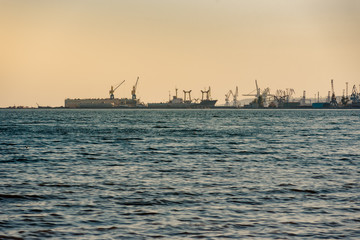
(111, 102)
(186, 102)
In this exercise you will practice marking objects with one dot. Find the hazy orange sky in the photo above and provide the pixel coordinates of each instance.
(52, 50)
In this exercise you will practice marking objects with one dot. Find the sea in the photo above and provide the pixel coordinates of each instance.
(179, 174)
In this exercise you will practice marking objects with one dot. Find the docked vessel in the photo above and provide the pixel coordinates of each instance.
(42, 107)
(103, 103)
(111, 102)
(186, 102)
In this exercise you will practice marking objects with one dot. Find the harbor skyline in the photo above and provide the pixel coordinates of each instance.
(56, 50)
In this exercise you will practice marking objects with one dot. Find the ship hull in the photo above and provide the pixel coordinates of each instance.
(169, 105)
(103, 103)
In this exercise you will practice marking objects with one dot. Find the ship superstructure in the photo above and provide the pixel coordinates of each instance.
(187, 102)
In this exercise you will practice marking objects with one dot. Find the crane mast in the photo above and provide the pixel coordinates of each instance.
(257, 89)
(236, 96)
(207, 94)
(333, 101)
(187, 93)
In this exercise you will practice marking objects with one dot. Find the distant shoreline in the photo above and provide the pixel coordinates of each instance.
(216, 108)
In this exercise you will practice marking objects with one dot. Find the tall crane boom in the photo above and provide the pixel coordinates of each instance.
(119, 85)
(133, 91)
(257, 89)
(112, 90)
(235, 95)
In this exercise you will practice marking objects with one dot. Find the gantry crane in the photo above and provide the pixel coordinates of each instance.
(133, 91)
(112, 90)
(261, 98)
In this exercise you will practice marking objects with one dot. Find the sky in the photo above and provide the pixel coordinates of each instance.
(53, 50)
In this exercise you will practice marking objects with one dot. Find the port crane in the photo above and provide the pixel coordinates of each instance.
(235, 96)
(333, 101)
(133, 91)
(345, 99)
(257, 91)
(284, 95)
(112, 90)
(235, 99)
(355, 96)
(227, 96)
(260, 97)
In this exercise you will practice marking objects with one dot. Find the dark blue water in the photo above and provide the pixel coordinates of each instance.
(179, 174)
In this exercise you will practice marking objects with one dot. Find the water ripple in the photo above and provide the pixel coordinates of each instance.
(179, 174)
